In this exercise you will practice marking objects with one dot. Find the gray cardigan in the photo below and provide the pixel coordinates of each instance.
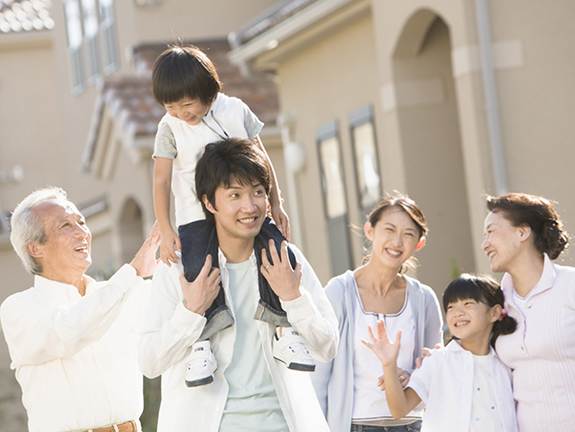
(333, 381)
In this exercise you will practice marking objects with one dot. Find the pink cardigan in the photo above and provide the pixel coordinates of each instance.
(541, 352)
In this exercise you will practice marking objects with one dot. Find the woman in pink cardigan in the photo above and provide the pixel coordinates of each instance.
(523, 235)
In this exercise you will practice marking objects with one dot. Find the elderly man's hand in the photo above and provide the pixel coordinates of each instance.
(145, 261)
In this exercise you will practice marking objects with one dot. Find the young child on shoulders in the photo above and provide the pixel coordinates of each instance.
(464, 386)
(186, 83)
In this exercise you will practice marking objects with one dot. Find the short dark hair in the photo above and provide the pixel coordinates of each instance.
(483, 289)
(184, 71)
(228, 160)
(549, 234)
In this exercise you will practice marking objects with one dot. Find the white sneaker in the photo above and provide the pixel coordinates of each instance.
(289, 348)
(202, 365)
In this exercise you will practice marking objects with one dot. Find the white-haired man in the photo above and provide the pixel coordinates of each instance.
(71, 339)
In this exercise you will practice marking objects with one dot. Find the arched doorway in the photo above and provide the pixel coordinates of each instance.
(131, 230)
(431, 142)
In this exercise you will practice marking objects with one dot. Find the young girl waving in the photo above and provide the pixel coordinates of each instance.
(464, 386)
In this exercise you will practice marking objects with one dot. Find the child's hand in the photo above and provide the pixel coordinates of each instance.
(167, 252)
(402, 375)
(281, 219)
(386, 351)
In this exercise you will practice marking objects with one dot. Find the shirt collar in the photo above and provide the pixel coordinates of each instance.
(456, 347)
(546, 281)
(62, 291)
(223, 261)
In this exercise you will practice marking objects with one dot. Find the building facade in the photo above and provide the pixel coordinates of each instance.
(444, 100)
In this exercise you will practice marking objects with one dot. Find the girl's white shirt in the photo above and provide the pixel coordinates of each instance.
(484, 410)
(445, 384)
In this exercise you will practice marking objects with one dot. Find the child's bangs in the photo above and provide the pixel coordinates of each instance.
(462, 288)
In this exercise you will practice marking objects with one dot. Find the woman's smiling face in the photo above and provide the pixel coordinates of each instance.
(395, 237)
(501, 242)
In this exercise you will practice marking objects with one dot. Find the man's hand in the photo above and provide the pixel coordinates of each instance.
(402, 375)
(281, 219)
(167, 251)
(145, 261)
(284, 281)
(200, 294)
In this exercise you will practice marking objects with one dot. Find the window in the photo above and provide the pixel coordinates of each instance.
(74, 31)
(108, 33)
(365, 151)
(335, 200)
(92, 49)
(332, 178)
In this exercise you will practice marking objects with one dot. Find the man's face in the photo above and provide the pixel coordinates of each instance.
(67, 250)
(241, 210)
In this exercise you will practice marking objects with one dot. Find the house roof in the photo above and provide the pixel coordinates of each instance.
(130, 99)
(269, 19)
(21, 16)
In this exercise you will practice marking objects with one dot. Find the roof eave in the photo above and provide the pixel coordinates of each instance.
(270, 42)
(29, 38)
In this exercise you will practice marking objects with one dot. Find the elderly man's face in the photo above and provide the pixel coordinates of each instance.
(67, 249)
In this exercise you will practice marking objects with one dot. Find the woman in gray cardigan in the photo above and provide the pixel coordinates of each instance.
(347, 387)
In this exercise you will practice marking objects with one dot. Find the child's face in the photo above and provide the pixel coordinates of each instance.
(471, 321)
(192, 111)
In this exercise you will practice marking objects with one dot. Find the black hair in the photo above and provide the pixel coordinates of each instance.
(549, 234)
(228, 160)
(184, 71)
(484, 289)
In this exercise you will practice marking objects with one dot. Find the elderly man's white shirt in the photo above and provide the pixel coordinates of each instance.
(76, 357)
(170, 330)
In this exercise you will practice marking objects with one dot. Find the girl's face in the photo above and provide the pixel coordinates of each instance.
(471, 321)
(395, 237)
(502, 241)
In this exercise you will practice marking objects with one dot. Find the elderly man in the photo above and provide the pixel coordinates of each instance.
(251, 389)
(71, 339)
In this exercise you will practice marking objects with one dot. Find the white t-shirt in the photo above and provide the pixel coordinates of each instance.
(369, 402)
(484, 410)
(185, 144)
(252, 402)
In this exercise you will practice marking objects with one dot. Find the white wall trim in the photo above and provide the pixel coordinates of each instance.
(507, 54)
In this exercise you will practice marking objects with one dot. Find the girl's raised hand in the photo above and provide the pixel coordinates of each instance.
(386, 351)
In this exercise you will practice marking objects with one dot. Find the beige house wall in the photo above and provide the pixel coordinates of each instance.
(417, 62)
(336, 72)
(27, 136)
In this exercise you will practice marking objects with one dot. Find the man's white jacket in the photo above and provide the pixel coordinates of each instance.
(170, 330)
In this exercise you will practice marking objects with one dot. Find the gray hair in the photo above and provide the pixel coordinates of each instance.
(27, 228)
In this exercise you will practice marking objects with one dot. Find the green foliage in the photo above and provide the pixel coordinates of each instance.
(152, 398)
(455, 270)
